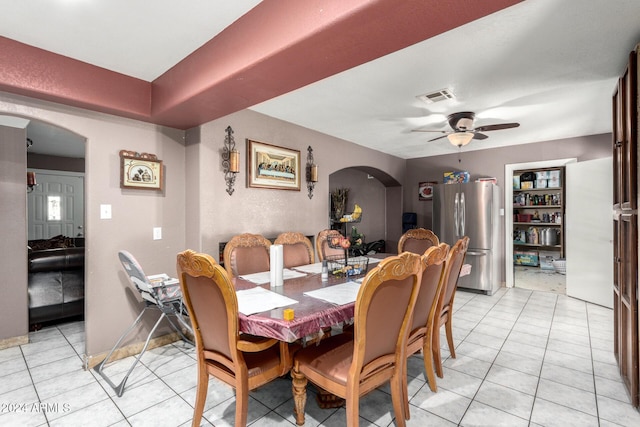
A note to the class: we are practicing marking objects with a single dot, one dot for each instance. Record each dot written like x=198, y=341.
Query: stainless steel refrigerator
x=473, y=210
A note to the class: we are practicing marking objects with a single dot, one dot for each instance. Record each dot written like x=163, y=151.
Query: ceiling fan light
x=460, y=139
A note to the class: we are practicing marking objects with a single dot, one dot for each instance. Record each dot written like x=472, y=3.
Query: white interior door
x=589, y=233
x=56, y=205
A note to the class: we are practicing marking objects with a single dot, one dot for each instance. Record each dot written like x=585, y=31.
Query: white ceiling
x=549, y=65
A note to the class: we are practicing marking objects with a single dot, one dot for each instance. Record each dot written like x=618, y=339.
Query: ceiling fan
x=463, y=131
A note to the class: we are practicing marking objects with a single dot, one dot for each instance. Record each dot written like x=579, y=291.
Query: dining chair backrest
x=297, y=249
x=424, y=315
x=246, y=254
x=444, y=311
x=417, y=240
x=455, y=260
x=433, y=268
x=322, y=245
x=223, y=352
x=383, y=309
x=211, y=299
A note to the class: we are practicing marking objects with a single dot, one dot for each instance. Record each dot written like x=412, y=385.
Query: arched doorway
x=380, y=197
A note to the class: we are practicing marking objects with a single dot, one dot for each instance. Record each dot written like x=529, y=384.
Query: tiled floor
x=523, y=358
x=536, y=279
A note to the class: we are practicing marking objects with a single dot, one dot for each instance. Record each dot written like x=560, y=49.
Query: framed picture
x=142, y=171
x=425, y=190
x=270, y=166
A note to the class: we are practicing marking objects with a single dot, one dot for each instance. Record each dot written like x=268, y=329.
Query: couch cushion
x=56, y=259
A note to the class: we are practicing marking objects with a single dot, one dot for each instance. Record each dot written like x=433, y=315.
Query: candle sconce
x=312, y=172
x=31, y=181
x=230, y=160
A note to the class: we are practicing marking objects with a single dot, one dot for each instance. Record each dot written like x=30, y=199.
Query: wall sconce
x=312, y=172
x=230, y=160
x=31, y=181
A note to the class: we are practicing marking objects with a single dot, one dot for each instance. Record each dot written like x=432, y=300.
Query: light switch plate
x=105, y=211
x=157, y=233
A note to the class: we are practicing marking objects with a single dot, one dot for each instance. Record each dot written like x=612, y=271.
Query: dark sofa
x=56, y=280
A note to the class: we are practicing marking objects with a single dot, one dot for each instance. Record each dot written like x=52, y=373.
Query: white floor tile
x=446, y=404
x=505, y=399
x=550, y=414
x=571, y=397
x=516, y=380
x=482, y=415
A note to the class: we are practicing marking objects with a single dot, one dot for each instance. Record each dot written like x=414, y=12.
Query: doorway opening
x=380, y=197
x=529, y=274
x=55, y=225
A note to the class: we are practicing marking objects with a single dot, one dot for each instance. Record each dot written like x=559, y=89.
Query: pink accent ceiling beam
x=282, y=45
x=34, y=72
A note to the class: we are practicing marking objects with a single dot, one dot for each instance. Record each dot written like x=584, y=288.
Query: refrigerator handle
x=463, y=214
x=456, y=203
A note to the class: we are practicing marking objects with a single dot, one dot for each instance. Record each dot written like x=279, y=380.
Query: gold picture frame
x=270, y=166
x=140, y=170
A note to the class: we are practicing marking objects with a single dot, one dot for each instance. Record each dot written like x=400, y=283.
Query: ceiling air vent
x=437, y=96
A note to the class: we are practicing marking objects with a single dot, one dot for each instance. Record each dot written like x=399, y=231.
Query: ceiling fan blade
x=479, y=136
x=497, y=127
x=428, y=130
x=435, y=139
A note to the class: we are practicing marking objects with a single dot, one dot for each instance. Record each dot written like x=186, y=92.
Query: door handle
x=463, y=214
x=456, y=204
x=476, y=253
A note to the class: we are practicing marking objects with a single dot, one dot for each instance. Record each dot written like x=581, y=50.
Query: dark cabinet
x=625, y=227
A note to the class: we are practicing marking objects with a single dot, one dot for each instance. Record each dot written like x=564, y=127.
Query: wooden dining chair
x=417, y=240
x=297, y=249
x=246, y=254
x=244, y=362
x=349, y=366
x=424, y=315
x=444, y=311
x=322, y=246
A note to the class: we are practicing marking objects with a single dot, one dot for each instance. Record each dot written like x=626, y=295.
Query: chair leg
x=405, y=393
x=435, y=351
x=428, y=362
x=352, y=405
x=299, y=388
x=242, y=401
x=449, y=329
x=119, y=389
x=397, y=395
x=201, y=395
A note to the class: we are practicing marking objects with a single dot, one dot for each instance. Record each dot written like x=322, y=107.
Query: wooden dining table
x=311, y=315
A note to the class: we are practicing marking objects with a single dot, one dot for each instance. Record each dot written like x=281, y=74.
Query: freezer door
x=481, y=275
x=445, y=216
x=476, y=221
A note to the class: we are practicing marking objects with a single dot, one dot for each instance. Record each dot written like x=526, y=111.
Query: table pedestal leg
x=327, y=400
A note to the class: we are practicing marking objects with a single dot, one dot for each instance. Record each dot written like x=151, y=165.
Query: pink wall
x=266, y=211
x=13, y=245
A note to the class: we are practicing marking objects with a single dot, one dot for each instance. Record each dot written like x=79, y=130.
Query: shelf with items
x=536, y=245
x=538, y=216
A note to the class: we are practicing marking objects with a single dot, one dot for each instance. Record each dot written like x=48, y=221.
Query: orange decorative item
x=345, y=243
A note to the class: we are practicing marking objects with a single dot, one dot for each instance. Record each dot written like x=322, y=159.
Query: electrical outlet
x=157, y=233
